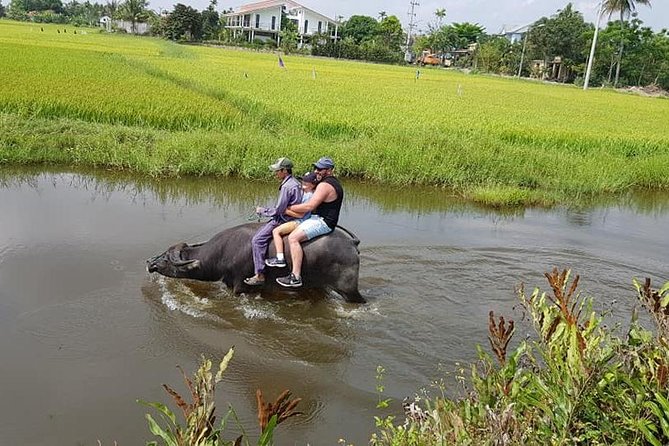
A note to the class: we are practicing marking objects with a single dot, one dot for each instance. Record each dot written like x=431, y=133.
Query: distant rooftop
x=514, y=29
x=267, y=4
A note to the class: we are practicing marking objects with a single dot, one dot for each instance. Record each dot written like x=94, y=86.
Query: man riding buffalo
x=290, y=193
x=325, y=206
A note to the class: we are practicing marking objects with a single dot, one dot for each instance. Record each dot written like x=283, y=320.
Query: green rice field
x=160, y=108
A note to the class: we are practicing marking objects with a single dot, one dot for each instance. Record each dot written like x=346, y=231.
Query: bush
x=578, y=383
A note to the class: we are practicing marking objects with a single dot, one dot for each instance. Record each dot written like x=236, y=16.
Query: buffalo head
x=172, y=264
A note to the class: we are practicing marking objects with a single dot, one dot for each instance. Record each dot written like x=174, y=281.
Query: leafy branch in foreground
x=577, y=383
x=199, y=416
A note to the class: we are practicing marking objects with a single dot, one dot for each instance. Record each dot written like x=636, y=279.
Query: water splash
x=181, y=298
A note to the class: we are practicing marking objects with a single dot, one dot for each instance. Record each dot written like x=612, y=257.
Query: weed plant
x=160, y=108
x=199, y=426
x=577, y=383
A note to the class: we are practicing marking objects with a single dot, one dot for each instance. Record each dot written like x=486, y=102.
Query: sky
x=491, y=14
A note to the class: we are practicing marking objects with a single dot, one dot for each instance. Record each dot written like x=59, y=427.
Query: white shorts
x=314, y=227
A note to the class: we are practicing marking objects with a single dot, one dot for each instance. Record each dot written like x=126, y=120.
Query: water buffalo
x=330, y=262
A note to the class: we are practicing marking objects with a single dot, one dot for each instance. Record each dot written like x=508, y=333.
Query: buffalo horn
x=189, y=264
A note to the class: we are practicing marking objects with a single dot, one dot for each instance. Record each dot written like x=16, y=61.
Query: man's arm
x=285, y=196
x=294, y=214
x=321, y=193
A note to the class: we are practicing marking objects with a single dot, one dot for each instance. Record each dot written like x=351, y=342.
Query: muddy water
x=85, y=331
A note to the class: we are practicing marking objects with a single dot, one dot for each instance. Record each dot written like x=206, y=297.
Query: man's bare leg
x=295, y=240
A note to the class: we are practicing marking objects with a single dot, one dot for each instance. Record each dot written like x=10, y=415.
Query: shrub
x=577, y=383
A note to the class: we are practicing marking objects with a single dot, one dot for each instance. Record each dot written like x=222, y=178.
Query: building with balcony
x=262, y=20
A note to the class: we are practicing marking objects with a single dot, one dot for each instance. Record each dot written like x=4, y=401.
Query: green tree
x=37, y=5
x=445, y=39
x=288, y=34
x=440, y=14
x=134, y=11
x=468, y=32
x=184, y=22
x=86, y=13
x=390, y=32
x=498, y=55
x=624, y=8
x=646, y=55
x=565, y=35
x=360, y=28
x=659, y=61
x=112, y=8
x=2, y=10
x=210, y=22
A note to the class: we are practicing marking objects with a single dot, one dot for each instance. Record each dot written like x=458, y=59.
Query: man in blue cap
x=290, y=193
x=324, y=206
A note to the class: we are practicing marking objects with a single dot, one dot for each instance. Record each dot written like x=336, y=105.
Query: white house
x=108, y=24
x=262, y=20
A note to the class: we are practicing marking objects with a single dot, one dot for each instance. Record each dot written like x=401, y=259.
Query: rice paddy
x=160, y=108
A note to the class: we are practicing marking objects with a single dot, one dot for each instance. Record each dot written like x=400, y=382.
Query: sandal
x=254, y=281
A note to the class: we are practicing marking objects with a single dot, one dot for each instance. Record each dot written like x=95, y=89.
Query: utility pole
x=522, y=53
x=586, y=81
x=412, y=25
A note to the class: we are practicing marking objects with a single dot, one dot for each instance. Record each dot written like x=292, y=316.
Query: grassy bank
x=156, y=107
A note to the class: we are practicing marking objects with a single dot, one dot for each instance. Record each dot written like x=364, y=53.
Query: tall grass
x=202, y=111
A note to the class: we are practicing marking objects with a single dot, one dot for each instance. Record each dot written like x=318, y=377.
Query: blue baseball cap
x=309, y=177
x=324, y=163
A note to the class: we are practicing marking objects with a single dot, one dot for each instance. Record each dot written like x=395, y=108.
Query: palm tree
x=624, y=8
x=382, y=15
x=134, y=11
x=111, y=8
x=440, y=14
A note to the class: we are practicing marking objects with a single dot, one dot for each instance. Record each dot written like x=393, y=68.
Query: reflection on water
x=84, y=330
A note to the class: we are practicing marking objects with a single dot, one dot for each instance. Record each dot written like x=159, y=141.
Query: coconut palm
x=440, y=14
x=134, y=11
x=624, y=8
x=382, y=15
x=111, y=8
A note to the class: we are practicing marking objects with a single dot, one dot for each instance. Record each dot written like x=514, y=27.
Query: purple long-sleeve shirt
x=290, y=193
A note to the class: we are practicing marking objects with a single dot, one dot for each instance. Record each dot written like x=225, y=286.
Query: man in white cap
x=324, y=206
x=290, y=192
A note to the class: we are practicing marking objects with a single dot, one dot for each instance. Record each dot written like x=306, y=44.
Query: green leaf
x=159, y=432
x=664, y=402
x=664, y=289
x=660, y=414
x=161, y=408
x=267, y=435
x=645, y=427
x=665, y=300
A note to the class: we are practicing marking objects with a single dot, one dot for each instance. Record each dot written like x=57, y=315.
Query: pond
x=85, y=331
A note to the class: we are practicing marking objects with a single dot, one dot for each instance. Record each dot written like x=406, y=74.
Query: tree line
x=554, y=48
